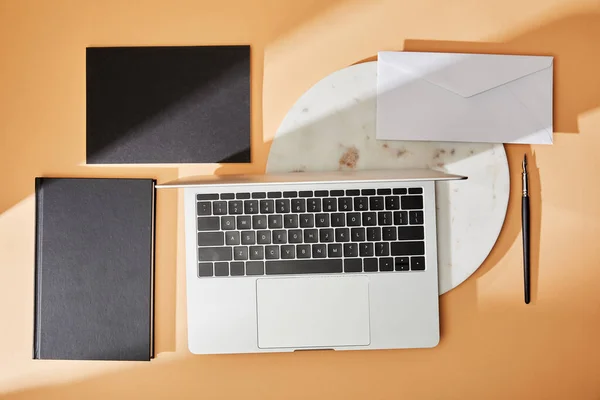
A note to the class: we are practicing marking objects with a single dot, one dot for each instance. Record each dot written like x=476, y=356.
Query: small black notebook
x=94, y=269
x=181, y=104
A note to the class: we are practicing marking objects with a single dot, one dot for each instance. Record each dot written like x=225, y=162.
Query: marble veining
x=332, y=127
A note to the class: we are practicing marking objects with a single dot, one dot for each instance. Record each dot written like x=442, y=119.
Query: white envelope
x=464, y=97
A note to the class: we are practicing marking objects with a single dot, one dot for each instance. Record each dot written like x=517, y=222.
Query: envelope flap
x=466, y=74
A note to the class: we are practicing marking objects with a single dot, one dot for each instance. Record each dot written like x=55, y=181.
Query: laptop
x=302, y=261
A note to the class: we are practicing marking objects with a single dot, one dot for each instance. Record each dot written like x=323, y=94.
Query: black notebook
x=186, y=104
x=94, y=269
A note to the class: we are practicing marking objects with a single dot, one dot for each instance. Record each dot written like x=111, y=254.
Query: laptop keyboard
x=310, y=232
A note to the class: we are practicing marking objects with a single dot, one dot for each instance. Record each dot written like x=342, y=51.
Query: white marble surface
x=332, y=126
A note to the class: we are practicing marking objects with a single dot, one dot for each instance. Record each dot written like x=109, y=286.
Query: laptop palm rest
x=313, y=312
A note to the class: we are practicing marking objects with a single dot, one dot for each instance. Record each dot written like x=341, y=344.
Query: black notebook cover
x=188, y=104
x=94, y=269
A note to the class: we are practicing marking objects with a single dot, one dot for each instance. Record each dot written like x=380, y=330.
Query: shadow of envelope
x=464, y=97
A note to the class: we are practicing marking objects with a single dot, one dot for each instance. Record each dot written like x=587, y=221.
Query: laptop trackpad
x=313, y=312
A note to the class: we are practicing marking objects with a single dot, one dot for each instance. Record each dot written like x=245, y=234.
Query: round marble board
x=332, y=127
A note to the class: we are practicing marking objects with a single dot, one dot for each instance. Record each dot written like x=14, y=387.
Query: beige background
x=493, y=346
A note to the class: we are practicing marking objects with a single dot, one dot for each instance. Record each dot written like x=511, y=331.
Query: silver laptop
x=344, y=261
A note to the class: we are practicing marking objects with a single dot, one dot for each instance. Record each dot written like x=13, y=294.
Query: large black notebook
x=188, y=104
x=94, y=269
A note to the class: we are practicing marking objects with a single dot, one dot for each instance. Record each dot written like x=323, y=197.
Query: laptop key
x=350, y=249
x=389, y=233
x=377, y=203
x=209, y=223
x=263, y=237
x=236, y=207
x=417, y=263
x=227, y=196
x=417, y=190
x=358, y=234
x=214, y=254
x=353, y=265
x=369, y=219
x=244, y=222
x=210, y=239
x=353, y=219
x=338, y=219
x=295, y=236
x=290, y=221
x=282, y=206
x=326, y=235
x=251, y=206
x=257, y=252
x=272, y=252
x=410, y=232
x=280, y=237
x=330, y=204
x=290, y=194
x=313, y=205
x=242, y=196
x=412, y=202
x=298, y=205
x=334, y=250
x=386, y=264
x=205, y=269
x=366, y=249
x=288, y=251
x=259, y=195
x=275, y=221
x=307, y=220
x=392, y=203
x=220, y=208
x=221, y=269
x=303, y=251
x=248, y=237
x=255, y=268
x=311, y=236
x=374, y=234
x=382, y=249
x=401, y=264
x=207, y=196
x=319, y=251
x=204, y=208
x=236, y=268
x=283, y=267
x=400, y=191
x=416, y=217
x=240, y=253
x=227, y=223
x=267, y=206
x=322, y=220
x=407, y=248
x=384, y=218
x=400, y=218
x=259, y=222
x=342, y=235
x=371, y=265
x=361, y=203
x=345, y=204
x=232, y=238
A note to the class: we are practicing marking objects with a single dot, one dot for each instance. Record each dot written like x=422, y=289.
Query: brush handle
x=525, y=226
